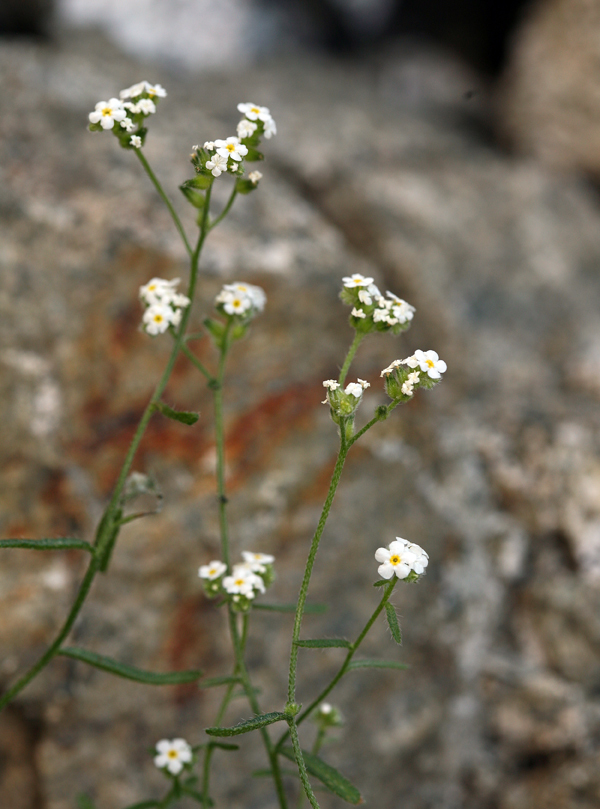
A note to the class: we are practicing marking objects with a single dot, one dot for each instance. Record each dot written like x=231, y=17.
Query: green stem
x=165, y=199
x=318, y=743
x=55, y=646
x=225, y=210
x=373, y=421
x=358, y=338
x=195, y=361
x=220, y=442
x=293, y=731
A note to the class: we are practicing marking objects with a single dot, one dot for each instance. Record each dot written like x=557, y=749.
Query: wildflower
x=332, y=384
x=327, y=716
x=254, y=177
x=172, y=755
x=128, y=124
x=356, y=388
x=155, y=90
x=325, y=708
x=159, y=290
x=239, y=298
x=213, y=570
x=216, y=165
x=254, y=112
x=133, y=91
x=157, y=318
x=391, y=367
x=136, y=141
x=270, y=128
x=231, y=148
x=208, y=144
x=147, y=106
x=356, y=280
x=421, y=558
x=235, y=304
x=398, y=559
x=246, y=129
x=429, y=362
x=364, y=297
x=408, y=386
x=107, y=112
x=258, y=558
x=357, y=313
x=243, y=581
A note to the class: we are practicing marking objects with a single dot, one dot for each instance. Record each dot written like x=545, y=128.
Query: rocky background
x=474, y=199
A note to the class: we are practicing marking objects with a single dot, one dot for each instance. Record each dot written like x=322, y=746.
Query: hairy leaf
x=393, y=624
x=376, y=664
x=177, y=415
x=213, y=682
x=309, y=609
x=324, y=643
x=129, y=672
x=58, y=544
x=328, y=775
x=248, y=725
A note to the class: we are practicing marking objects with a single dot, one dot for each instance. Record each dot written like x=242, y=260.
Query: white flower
x=364, y=384
x=407, y=388
x=133, y=108
x=258, y=558
x=159, y=290
x=255, y=176
x=216, y=165
x=213, y=570
x=136, y=141
x=147, y=106
x=364, y=297
x=254, y=112
x=234, y=303
x=429, y=363
x=246, y=129
x=173, y=755
x=231, y=148
x=134, y=90
x=128, y=124
x=391, y=367
x=412, y=362
x=256, y=294
x=209, y=144
x=356, y=280
x=243, y=581
x=357, y=312
x=107, y=112
x=270, y=128
x=155, y=90
x=373, y=291
x=421, y=558
x=354, y=389
x=397, y=559
x=332, y=384
x=403, y=312
x=157, y=318
x=380, y=315
x=414, y=377
x=325, y=708
x=181, y=301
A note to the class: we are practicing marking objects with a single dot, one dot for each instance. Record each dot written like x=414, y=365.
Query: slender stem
x=165, y=199
x=195, y=361
x=220, y=442
x=318, y=743
x=335, y=479
x=53, y=649
x=358, y=338
x=225, y=210
x=344, y=667
x=301, y=765
x=373, y=421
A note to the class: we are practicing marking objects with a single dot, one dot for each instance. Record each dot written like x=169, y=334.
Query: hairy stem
x=301, y=765
x=358, y=338
x=225, y=210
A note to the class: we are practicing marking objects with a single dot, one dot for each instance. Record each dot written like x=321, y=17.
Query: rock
x=494, y=472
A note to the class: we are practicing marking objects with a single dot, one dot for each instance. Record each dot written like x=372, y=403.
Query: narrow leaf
x=58, y=544
x=212, y=682
x=199, y=181
x=245, y=186
x=328, y=775
x=248, y=725
x=193, y=197
x=314, y=609
x=177, y=415
x=129, y=672
x=393, y=624
x=324, y=643
x=253, y=155
x=376, y=664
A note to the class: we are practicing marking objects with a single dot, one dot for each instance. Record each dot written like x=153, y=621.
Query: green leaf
x=193, y=197
x=201, y=181
x=245, y=186
x=328, y=775
x=83, y=802
x=393, y=624
x=314, y=609
x=217, y=329
x=324, y=643
x=129, y=672
x=212, y=682
x=381, y=583
x=177, y=415
x=58, y=544
x=376, y=664
x=249, y=724
x=253, y=155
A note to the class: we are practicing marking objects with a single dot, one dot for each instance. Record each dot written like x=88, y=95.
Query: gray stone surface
x=495, y=473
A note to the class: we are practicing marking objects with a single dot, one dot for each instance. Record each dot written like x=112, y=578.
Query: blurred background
x=451, y=150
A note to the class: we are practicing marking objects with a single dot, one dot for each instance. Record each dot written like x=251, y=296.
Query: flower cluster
x=247, y=579
x=372, y=311
x=343, y=402
x=125, y=116
x=173, y=755
x=404, y=559
x=241, y=300
x=402, y=376
x=163, y=304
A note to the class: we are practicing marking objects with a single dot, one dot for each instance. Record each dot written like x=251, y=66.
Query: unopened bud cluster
x=164, y=305
x=402, y=559
x=372, y=311
x=247, y=579
x=126, y=115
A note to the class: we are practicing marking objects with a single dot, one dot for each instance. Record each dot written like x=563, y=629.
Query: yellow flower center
x=107, y=111
x=430, y=363
x=173, y=754
x=230, y=147
x=158, y=318
x=255, y=110
x=212, y=571
x=236, y=303
x=239, y=582
x=395, y=560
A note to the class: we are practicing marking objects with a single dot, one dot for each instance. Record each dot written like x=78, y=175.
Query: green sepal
x=324, y=643
x=216, y=329
x=58, y=544
x=195, y=198
x=185, y=417
x=309, y=609
x=376, y=664
x=245, y=186
x=238, y=331
x=129, y=672
x=327, y=775
x=393, y=624
x=249, y=724
x=253, y=155
x=202, y=180
x=213, y=682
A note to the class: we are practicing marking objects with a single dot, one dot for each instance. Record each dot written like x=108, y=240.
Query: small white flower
x=234, y=303
x=231, y=148
x=330, y=384
x=364, y=297
x=243, y=581
x=407, y=388
x=391, y=367
x=429, y=362
x=159, y=290
x=133, y=108
x=246, y=129
x=217, y=165
x=414, y=377
x=155, y=90
x=157, y=318
x=107, y=112
x=254, y=177
x=364, y=384
x=412, y=362
x=373, y=291
x=172, y=755
x=325, y=708
x=128, y=124
x=354, y=389
x=136, y=141
x=401, y=310
x=356, y=280
x=254, y=112
x=147, y=106
x=260, y=558
x=421, y=558
x=398, y=559
x=357, y=312
x=209, y=144
x=380, y=315
x=270, y=128
x=134, y=91
x=181, y=301
x=256, y=294
x=213, y=570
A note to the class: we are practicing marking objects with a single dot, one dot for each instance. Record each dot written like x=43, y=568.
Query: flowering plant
x=238, y=586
